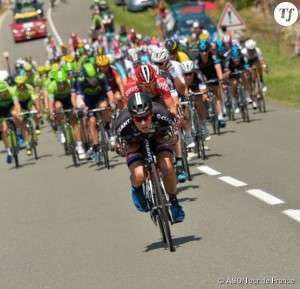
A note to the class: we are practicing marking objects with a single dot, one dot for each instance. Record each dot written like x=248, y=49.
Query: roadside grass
x=142, y=22
x=283, y=79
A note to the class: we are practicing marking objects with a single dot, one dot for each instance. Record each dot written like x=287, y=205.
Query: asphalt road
x=63, y=227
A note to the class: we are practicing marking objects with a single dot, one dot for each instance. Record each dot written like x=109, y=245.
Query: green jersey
x=25, y=94
x=59, y=92
x=7, y=98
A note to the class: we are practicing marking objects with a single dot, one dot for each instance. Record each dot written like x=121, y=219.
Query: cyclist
x=142, y=116
x=175, y=53
x=210, y=66
x=96, y=93
x=147, y=80
x=9, y=106
x=198, y=33
x=113, y=77
x=196, y=84
x=236, y=62
x=255, y=58
x=60, y=98
x=172, y=71
x=28, y=101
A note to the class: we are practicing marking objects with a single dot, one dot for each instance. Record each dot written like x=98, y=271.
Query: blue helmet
x=235, y=52
x=203, y=45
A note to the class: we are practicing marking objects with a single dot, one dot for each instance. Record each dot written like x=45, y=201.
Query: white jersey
x=175, y=70
x=252, y=55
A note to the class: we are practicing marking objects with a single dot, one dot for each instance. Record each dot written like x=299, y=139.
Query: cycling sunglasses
x=189, y=74
x=142, y=118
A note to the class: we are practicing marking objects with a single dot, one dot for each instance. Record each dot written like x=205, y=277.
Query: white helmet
x=160, y=55
x=187, y=66
x=250, y=44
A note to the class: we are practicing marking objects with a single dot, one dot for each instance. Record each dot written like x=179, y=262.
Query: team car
x=29, y=25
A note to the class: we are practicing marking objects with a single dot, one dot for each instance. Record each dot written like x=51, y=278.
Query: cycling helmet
x=20, y=79
x=60, y=76
x=41, y=69
x=187, y=66
x=203, y=45
x=47, y=68
x=68, y=58
x=235, y=52
x=145, y=73
x=250, y=44
x=139, y=104
x=102, y=60
x=171, y=45
x=3, y=86
x=27, y=66
x=160, y=55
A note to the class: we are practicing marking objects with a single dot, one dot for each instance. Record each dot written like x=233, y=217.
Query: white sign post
x=231, y=19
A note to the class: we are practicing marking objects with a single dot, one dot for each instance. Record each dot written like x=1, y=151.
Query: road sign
x=231, y=19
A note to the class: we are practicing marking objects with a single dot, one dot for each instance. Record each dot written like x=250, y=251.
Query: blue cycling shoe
x=139, y=199
x=181, y=175
x=177, y=212
x=9, y=158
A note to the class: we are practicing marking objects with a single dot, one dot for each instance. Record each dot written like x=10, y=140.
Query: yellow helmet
x=41, y=69
x=27, y=66
x=20, y=79
x=55, y=67
x=47, y=67
x=102, y=60
x=204, y=36
x=68, y=58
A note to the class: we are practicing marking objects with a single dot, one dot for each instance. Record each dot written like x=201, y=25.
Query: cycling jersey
x=7, y=102
x=182, y=56
x=208, y=68
x=197, y=83
x=175, y=70
x=57, y=92
x=160, y=139
x=253, y=56
x=93, y=94
x=161, y=89
x=234, y=66
x=111, y=76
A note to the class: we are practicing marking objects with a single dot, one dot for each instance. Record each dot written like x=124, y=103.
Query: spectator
x=296, y=44
x=160, y=15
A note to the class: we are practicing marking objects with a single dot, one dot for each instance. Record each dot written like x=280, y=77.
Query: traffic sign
x=231, y=19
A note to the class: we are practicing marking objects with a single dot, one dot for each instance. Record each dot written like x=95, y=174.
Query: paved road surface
x=63, y=227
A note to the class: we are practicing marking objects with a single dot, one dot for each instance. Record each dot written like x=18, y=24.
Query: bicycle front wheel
x=162, y=212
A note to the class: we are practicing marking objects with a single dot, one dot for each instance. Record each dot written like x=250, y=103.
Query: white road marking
x=294, y=214
x=265, y=197
x=53, y=28
x=209, y=171
x=232, y=181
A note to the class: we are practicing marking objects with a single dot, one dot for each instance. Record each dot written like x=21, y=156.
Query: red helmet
x=145, y=73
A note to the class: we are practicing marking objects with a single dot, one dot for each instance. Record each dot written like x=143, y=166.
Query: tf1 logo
x=286, y=13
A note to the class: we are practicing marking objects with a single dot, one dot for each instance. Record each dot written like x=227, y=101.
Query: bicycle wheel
x=104, y=146
x=196, y=137
x=73, y=153
x=185, y=162
x=162, y=213
x=14, y=147
x=70, y=143
x=33, y=140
